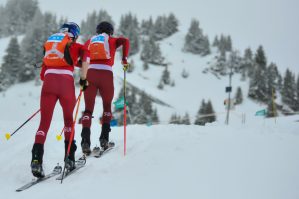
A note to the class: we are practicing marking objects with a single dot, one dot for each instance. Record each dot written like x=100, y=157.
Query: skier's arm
x=125, y=43
x=43, y=70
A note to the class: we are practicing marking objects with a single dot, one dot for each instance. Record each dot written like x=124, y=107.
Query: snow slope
x=169, y=161
x=258, y=159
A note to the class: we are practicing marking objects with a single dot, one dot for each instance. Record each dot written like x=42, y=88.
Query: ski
x=97, y=152
x=56, y=171
x=78, y=164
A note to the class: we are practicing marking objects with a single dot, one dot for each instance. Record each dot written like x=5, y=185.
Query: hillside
x=253, y=160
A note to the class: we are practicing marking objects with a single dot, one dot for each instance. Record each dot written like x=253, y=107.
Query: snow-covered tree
x=185, y=74
x=145, y=66
x=257, y=87
x=129, y=27
x=88, y=26
x=211, y=112
x=147, y=27
x=239, y=96
x=200, y=120
x=32, y=46
x=171, y=24
x=297, y=95
x=216, y=41
x=224, y=44
x=16, y=15
x=166, y=76
x=272, y=80
x=247, y=65
x=185, y=119
x=195, y=41
x=151, y=52
x=288, y=90
x=12, y=64
x=175, y=119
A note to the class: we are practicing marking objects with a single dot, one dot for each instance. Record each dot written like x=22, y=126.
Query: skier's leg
x=89, y=99
x=47, y=105
x=67, y=100
x=107, y=92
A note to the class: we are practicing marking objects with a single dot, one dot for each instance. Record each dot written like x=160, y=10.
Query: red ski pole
x=73, y=132
x=59, y=137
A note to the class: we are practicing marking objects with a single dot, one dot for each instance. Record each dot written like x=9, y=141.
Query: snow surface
x=258, y=159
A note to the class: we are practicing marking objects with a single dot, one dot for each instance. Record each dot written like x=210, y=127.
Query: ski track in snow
x=168, y=161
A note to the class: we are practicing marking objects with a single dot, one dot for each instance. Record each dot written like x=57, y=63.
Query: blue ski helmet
x=72, y=28
x=105, y=27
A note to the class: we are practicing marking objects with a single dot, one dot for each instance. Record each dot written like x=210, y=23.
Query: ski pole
x=72, y=133
x=125, y=115
x=8, y=135
x=59, y=137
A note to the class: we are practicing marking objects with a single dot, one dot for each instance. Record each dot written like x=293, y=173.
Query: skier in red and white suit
x=58, y=85
x=100, y=78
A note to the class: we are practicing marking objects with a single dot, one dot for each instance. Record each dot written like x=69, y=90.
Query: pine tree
x=234, y=62
x=88, y=27
x=216, y=41
x=166, y=76
x=247, y=66
x=288, y=90
x=195, y=41
x=239, y=96
x=228, y=44
x=185, y=74
x=171, y=24
x=155, y=117
x=129, y=27
x=220, y=67
x=32, y=46
x=160, y=31
x=257, y=87
x=173, y=119
x=209, y=110
x=145, y=66
x=16, y=16
x=151, y=52
x=297, y=95
x=160, y=85
x=272, y=77
x=186, y=119
x=200, y=119
x=12, y=64
x=147, y=27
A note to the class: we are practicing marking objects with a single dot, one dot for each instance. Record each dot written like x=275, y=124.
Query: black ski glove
x=83, y=83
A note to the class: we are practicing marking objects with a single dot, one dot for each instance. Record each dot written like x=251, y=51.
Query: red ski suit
x=58, y=85
x=100, y=78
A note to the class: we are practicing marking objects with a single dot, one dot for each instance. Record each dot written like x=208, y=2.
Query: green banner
x=261, y=112
x=119, y=104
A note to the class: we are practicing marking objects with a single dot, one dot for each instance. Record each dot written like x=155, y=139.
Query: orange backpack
x=55, y=48
x=99, y=47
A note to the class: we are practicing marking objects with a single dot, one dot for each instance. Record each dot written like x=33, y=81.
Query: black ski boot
x=37, y=160
x=104, y=138
x=85, y=142
x=70, y=159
